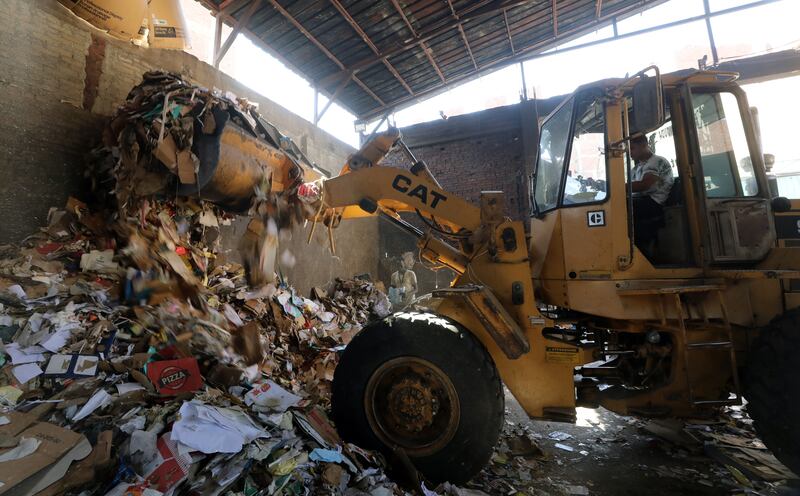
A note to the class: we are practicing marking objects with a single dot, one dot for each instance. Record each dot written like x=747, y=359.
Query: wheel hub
x=412, y=404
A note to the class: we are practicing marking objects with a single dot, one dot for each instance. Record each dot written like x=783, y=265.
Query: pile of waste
x=138, y=360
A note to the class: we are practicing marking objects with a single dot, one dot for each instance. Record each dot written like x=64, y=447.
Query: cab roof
x=669, y=79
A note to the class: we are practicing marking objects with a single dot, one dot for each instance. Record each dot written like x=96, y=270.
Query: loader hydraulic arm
x=364, y=188
x=492, y=293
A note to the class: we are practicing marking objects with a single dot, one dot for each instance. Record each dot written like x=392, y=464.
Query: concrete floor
x=612, y=456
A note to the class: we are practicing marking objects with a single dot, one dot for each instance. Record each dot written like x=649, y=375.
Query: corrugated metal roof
x=379, y=55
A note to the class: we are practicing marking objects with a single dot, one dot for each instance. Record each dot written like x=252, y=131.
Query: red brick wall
x=492, y=162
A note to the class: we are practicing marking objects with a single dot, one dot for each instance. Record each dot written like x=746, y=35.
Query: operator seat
x=672, y=238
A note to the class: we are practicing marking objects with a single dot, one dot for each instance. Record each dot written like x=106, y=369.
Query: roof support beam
x=316, y=105
x=555, y=19
x=464, y=35
x=237, y=28
x=508, y=33
x=429, y=55
x=474, y=10
x=294, y=22
x=423, y=45
x=334, y=96
x=403, y=16
x=218, y=35
x=598, y=9
x=466, y=44
x=353, y=24
x=230, y=20
x=225, y=4
x=524, y=54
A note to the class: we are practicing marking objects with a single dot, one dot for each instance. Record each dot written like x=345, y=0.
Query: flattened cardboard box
x=172, y=377
x=58, y=449
x=167, y=24
x=121, y=19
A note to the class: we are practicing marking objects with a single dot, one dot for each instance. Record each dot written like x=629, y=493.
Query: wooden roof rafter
x=352, y=22
x=285, y=13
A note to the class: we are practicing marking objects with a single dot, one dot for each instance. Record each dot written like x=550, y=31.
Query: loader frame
x=570, y=295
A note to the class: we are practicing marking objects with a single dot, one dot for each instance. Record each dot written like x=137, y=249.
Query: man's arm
x=413, y=279
x=648, y=180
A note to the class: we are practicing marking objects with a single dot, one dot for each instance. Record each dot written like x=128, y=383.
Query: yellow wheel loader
x=569, y=310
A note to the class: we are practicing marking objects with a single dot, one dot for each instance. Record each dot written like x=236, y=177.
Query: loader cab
x=717, y=212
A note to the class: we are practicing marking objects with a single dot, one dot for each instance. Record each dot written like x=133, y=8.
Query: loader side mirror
x=648, y=105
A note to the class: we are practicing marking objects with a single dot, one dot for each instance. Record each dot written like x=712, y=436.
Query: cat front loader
x=564, y=308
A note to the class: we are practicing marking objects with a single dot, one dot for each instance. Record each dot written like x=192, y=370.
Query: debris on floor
x=716, y=455
x=146, y=378
x=137, y=359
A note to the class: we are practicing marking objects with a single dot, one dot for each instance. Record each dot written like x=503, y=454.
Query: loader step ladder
x=673, y=295
x=726, y=344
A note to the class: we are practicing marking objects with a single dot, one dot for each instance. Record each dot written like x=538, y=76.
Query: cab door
x=729, y=173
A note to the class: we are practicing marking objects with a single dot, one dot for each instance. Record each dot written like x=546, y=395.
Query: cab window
x=586, y=175
x=724, y=153
x=553, y=141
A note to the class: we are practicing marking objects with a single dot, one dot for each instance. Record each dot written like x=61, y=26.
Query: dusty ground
x=612, y=455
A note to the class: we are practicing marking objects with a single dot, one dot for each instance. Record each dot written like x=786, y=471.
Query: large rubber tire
x=459, y=355
x=772, y=388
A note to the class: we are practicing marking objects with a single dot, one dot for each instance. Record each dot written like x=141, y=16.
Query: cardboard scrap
x=167, y=26
x=85, y=470
x=120, y=19
x=57, y=449
x=246, y=341
x=753, y=463
x=167, y=152
x=186, y=169
x=99, y=261
x=72, y=365
x=170, y=468
x=672, y=430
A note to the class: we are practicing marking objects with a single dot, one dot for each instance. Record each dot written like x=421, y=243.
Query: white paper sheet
x=211, y=429
x=127, y=387
x=136, y=423
x=99, y=261
x=26, y=372
x=326, y=316
x=20, y=356
x=57, y=340
x=35, y=322
x=98, y=400
x=270, y=395
x=143, y=442
x=232, y=316
x=26, y=446
x=16, y=290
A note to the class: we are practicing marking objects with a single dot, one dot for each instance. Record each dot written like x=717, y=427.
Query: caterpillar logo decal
x=404, y=184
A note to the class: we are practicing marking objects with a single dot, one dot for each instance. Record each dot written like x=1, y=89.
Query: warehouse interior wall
x=60, y=80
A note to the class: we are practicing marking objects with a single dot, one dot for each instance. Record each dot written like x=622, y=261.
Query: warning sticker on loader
x=561, y=354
